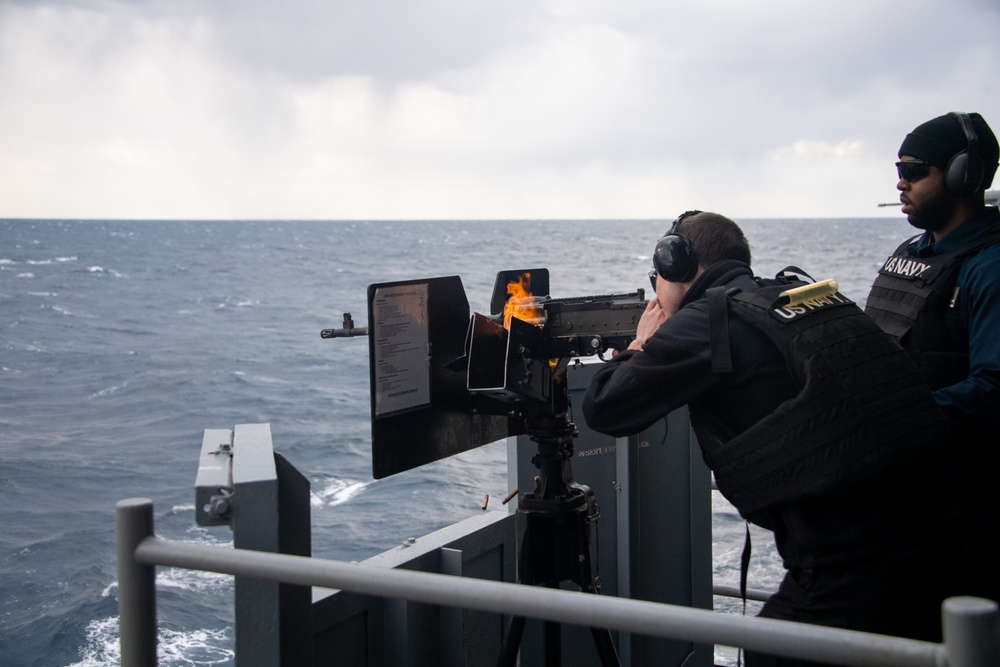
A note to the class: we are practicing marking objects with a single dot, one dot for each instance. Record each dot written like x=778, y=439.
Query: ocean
x=121, y=341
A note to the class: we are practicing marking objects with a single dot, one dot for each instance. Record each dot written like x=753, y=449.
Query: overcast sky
x=327, y=109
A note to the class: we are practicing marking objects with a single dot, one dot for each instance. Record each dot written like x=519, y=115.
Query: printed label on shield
x=402, y=370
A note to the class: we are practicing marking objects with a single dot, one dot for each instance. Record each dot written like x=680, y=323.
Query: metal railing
x=971, y=625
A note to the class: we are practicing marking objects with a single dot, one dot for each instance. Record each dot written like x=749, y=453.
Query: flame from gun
x=521, y=303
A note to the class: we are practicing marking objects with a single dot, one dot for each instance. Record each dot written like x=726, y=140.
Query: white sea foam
x=182, y=579
x=194, y=581
x=188, y=648
x=108, y=391
x=100, y=648
x=196, y=647
x=337, y=492
x=260, y=379
x=104, y=271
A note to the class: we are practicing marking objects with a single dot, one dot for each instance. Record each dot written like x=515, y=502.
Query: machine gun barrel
x=349, y=330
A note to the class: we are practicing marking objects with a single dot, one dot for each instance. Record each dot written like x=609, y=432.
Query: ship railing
x=971, y=626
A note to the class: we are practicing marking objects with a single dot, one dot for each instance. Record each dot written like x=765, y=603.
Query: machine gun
x=443, y=383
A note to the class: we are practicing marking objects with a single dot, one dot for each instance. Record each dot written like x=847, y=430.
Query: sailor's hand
x=650, y=321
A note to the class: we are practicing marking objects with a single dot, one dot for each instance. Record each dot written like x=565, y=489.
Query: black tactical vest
x=861, y=405
x=910, y=299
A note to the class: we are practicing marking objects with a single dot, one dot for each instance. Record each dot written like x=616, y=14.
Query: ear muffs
x=964, y=173
x=674, y=257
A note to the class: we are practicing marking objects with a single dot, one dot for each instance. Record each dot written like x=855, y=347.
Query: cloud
x=441, y=108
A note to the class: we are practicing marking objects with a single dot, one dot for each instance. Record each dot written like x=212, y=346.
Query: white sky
x=414, y=109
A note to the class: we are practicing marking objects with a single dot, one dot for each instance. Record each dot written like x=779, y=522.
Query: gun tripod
x=553, y=535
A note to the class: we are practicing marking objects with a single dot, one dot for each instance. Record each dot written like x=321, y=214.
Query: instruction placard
x=402, y=352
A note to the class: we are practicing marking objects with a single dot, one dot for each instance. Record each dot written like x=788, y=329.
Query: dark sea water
x=121, y=341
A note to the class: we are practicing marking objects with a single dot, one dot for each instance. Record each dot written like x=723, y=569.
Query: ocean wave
x=103, y=271
x=236, y=303
x=337, y=492
x=42, y=262
x=107, y=392
x=188, y=648
x=195, y=581
x=196, y=647
x=181, y=579
x=260, y=379
x=101, y=645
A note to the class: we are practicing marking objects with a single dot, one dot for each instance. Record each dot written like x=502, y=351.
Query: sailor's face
x=670, y=295
x=926, y=203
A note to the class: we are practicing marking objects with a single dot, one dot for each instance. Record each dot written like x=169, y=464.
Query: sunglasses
x=652, y=278
x=911, y=172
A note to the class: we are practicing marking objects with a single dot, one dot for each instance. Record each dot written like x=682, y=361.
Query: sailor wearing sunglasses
x=938, y=294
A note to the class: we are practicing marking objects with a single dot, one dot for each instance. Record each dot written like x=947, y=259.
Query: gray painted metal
x=971, y=632
x=214, y=483
x=972, y=622
x=242, y=482
x=256, y=460
x=734, y=592
x=451, y=653
x=136, y=584
x=358, y=629
x=254, y=520
x=667, y=536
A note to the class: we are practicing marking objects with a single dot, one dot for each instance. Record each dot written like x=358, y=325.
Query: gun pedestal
x=553, y=534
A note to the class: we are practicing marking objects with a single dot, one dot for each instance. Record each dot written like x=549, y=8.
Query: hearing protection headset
x=674, y=257
x=964, y=172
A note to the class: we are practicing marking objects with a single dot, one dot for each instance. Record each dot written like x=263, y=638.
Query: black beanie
x=940, y=139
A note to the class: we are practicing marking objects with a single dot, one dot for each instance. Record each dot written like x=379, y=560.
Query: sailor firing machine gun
x=442, y=383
